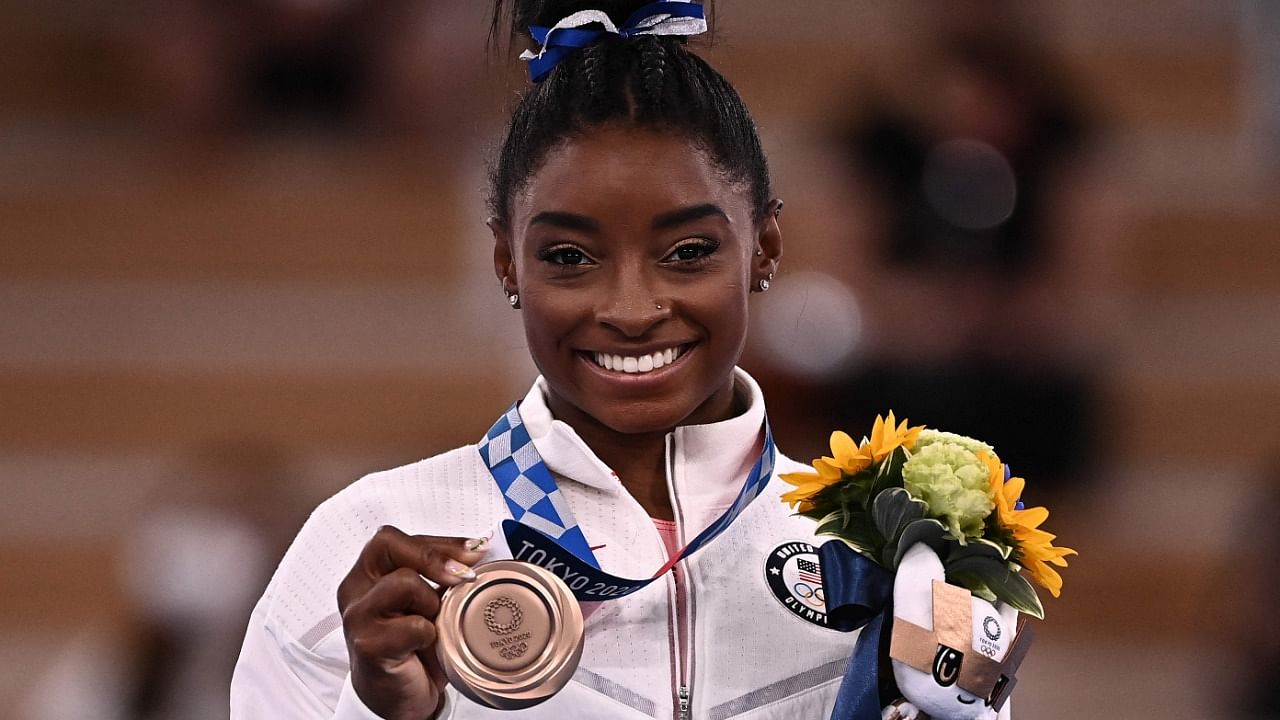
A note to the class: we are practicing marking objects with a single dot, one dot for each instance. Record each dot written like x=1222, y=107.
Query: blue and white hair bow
x=670, y=17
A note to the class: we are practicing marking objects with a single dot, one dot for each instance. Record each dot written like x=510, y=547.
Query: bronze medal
x=511, y=638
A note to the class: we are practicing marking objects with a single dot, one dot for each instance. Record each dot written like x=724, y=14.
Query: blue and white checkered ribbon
x=543, y=530
x=671, y=17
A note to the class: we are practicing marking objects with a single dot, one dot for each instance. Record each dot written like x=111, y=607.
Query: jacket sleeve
x=278, y=683
x=278, y=679
x=293, y=663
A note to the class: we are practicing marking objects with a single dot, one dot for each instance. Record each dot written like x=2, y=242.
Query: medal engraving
x=512, y=638
x=512, y=616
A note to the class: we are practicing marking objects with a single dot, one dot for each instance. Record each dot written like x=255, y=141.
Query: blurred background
x=243, y=262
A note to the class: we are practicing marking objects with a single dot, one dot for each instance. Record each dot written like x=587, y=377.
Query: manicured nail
x=458, y=570
x=477, y=544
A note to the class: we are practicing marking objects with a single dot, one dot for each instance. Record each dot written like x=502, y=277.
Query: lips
x=637, y=364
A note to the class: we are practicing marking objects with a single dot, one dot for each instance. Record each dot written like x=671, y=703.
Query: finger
x=401, y=592
x=390, y=641
x=371, y=621
x=434, y=669
x=443, y=560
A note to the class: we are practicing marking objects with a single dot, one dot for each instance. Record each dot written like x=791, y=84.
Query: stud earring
x=514, y=299
x=759, y=253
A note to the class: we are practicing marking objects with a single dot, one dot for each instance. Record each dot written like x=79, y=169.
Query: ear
x=913, y=586
x=768, y=244
x=504, y=264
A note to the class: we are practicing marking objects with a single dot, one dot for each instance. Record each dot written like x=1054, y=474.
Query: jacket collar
x=717, y=454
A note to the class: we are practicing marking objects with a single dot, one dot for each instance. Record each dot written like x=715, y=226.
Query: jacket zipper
x=684, y=681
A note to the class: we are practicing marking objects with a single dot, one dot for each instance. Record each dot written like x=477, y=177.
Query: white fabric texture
x=749, y=657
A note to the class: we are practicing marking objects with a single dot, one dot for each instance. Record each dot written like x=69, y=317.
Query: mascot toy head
x=954, y=655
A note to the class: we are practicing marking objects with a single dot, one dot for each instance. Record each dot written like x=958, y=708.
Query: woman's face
x=633, y=258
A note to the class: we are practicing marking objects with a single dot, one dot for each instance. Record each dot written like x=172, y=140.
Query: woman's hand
x=388, y=613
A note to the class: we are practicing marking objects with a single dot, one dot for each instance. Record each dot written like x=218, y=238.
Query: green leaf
x=978, y=547
x=999, y=548
x=812, y=513
x=1000, y=579
x=893, y=510
x=856, y=529
x=973, y=584
x=889, y=473
x=926, y=530
x=853, y=490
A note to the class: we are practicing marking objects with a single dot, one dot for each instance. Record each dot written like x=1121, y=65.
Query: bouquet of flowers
x=907, y=485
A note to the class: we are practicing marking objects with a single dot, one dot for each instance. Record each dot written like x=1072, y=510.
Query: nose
x=631, y=306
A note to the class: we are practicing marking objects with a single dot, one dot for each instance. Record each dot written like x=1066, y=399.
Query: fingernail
x=458, y=570
x=477, y=544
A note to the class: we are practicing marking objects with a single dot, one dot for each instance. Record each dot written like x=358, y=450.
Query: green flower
x=946, y=473
x=931, y=437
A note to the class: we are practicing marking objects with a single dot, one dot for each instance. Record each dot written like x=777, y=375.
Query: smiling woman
x=629, y=251
x=632, y=219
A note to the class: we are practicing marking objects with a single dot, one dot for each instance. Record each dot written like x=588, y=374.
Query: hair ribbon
x=670, y=17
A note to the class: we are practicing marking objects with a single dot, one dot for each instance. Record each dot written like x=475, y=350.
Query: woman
x=632, y=217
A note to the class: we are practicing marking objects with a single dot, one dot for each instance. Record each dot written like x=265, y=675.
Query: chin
x=638, y=418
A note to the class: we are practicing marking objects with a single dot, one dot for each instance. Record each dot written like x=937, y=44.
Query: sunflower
x=1035, y=549
x=846, y=459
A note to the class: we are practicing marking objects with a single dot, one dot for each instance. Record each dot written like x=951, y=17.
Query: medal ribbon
x=543, y=530
x=859, y=595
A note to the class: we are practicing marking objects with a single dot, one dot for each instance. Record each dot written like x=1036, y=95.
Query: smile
x=640, y=364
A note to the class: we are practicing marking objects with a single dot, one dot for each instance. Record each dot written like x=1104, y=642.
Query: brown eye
x=692, y=251
x=564, y=256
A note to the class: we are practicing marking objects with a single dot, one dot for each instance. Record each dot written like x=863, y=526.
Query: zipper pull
x=684, y=702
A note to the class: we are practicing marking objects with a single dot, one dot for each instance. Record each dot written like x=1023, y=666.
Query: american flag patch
x=809, y=571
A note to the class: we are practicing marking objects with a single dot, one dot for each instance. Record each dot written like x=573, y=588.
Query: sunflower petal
x=798, y=478
x=843, y=446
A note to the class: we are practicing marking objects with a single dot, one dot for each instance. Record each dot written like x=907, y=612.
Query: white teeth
x=640, y=364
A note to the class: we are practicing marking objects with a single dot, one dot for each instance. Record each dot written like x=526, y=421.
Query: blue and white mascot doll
x=954, y=655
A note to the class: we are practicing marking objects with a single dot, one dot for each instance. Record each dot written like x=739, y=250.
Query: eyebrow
x=665, y=221
x=668, y=220
x=566, y=220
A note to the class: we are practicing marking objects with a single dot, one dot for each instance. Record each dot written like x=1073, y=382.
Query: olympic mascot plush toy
x=954, y=655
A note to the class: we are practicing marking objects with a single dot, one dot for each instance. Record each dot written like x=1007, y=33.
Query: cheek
x=550, y=318
x=723, y=310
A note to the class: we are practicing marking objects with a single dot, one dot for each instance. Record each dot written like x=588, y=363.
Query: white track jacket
x=755, y=649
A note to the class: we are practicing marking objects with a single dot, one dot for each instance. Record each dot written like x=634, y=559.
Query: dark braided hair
x=650, y=81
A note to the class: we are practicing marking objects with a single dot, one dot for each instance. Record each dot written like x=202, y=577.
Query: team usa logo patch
x=794, y=574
